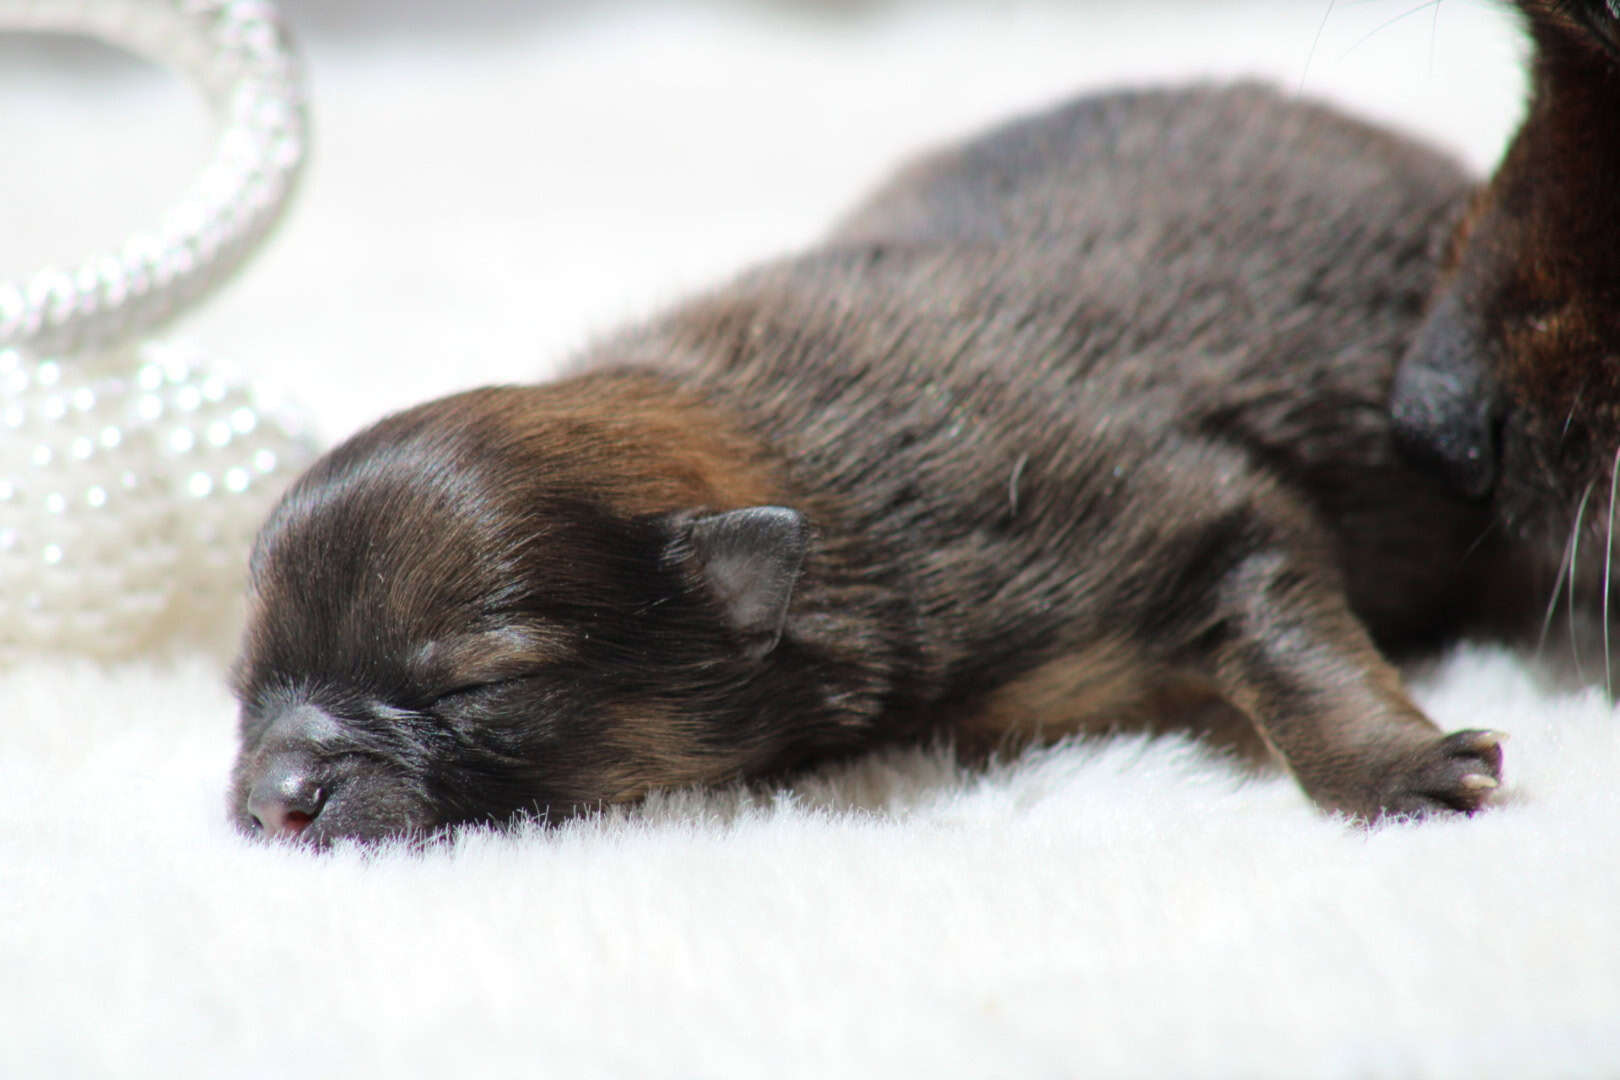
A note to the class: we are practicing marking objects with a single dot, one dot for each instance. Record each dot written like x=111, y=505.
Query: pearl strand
x=131, y=477
x=238, y=53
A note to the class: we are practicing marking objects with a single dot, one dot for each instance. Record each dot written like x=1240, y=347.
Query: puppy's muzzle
x=287, y=796
x=289, y=782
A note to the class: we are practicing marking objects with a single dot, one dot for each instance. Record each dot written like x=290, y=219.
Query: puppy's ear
x=748, y=561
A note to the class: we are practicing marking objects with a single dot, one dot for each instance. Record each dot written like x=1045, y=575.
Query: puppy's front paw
x=1457, y=772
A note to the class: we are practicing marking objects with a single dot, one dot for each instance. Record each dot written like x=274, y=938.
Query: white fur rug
x=494, y=181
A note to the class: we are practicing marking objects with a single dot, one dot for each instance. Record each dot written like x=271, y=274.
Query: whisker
x=1387, y=23
x=1569, y=419
x=1434, y=36
x=1574, y=554
x=1608, y=567
x=1315, y=41
x=1552, y=600
x=1484, y=534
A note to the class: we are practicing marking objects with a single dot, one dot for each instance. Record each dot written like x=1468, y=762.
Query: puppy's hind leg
x=1284, y=647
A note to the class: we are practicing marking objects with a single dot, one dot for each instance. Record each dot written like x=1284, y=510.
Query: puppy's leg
x=1290, y=654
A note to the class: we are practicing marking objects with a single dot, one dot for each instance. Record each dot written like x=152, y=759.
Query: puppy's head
x=512, y=601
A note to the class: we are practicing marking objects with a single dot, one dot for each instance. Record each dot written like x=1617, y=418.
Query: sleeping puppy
x=1076, y=426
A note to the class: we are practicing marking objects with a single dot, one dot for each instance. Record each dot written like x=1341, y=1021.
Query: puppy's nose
x=287, y=797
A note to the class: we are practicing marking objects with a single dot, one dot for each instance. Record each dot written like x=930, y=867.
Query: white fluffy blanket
x=494, y=181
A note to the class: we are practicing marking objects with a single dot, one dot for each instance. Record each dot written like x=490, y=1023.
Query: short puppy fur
x=1078, y=425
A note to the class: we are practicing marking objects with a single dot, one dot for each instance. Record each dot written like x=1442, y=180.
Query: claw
x=1481, y=741
x=1478, y=782
x=1485, y=745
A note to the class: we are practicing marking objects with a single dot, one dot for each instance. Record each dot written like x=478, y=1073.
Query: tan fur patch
x=1090, y=690
x=1106, y=688
x=648, y=446
x=495, y=655
x=648, y=750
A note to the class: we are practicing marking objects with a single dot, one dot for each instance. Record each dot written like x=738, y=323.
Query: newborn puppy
x=1511, y=390
x=1078, y=425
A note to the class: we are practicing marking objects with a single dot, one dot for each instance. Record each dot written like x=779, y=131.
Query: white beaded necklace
x=131, y=478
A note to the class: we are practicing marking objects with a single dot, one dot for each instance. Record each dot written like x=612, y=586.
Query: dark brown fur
x=1076, y=425
x=1511, y=391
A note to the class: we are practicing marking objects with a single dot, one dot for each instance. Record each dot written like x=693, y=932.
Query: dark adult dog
x=1511, y=391
x=1080, y=424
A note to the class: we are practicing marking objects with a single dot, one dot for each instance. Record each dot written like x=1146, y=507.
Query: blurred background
x=493, y=181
